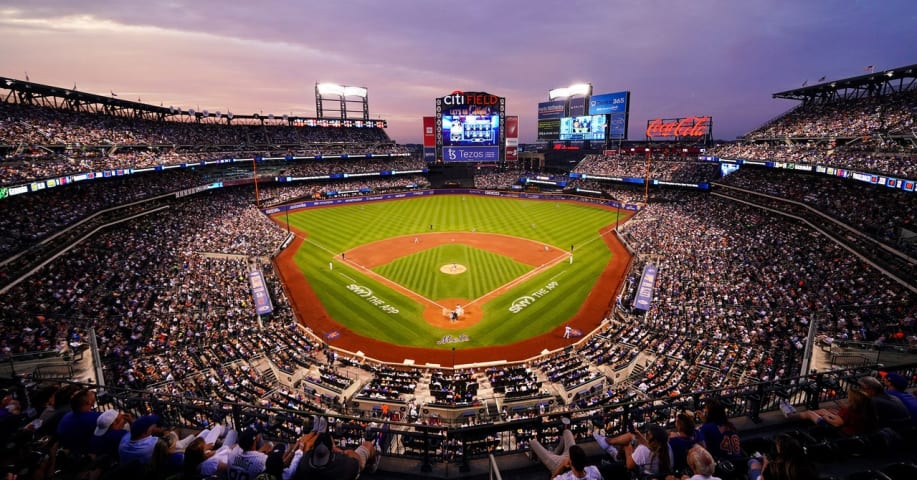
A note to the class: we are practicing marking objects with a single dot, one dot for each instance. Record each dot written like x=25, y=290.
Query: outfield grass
x=555, y=294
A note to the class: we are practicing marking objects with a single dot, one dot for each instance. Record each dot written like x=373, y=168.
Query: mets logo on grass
x=522, y=302
x=367, y=294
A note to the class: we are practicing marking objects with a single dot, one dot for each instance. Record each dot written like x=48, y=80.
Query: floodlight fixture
x=582, y=89
x=341, y=90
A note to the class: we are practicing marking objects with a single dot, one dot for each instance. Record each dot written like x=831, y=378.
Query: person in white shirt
x=574, y=467
x=251, y=460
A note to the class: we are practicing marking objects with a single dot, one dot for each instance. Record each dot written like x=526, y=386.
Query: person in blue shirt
x=139, y=445
x=76, y=428
x=897, y=387
x=719, y=434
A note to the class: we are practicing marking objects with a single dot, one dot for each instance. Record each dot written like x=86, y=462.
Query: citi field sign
x=459, y=98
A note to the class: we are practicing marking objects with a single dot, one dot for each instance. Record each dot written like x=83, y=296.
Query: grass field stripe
x=321, y=247
x=522, y=278
x=386, y=281
x=327, y=232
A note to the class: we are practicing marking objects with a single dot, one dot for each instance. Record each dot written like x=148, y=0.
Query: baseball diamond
x=387, y=293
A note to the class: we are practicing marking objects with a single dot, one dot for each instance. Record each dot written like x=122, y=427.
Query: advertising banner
x=429, y=131
x=577, y=107
x=645, y=291
x=608, y=103
x=259, y=293
x=549, y=129
x=675, y=128
x=512, y=154
x=551, y=110
x=512, y=138
x=429, y=154
x=471, y=154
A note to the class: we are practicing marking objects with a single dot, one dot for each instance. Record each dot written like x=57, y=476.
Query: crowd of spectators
x=742, y=285
x=663, y=166
x=882, y=213
x=170, y=303
x=886, y=158
x=497, y=180
x=624, y=193
x=42, y=142
x=856, y=117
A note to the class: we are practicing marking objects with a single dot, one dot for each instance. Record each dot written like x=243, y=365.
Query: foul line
x=523, y=278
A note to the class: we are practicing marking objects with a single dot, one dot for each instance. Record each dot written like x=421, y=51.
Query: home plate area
x=455, y=314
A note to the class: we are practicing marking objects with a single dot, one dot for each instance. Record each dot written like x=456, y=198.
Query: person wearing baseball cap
x=140, y=443
x=110, y=429
x=889, y=410
x=897, y=387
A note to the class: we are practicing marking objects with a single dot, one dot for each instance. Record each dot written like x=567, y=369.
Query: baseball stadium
x=250, y=286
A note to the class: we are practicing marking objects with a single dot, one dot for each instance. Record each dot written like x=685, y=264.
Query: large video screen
x=549, y=129
x=471, y=130
x=591, y=127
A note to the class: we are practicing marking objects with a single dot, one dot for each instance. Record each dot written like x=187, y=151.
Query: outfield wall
x=425, y=193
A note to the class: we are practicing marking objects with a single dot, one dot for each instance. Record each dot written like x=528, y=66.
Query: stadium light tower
x=341, y=95
x=577, y=89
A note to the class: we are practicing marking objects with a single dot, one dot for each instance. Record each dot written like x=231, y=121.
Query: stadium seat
x=900, y=471
x=868, y=475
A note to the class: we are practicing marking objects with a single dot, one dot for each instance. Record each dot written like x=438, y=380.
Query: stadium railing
x=425, y=441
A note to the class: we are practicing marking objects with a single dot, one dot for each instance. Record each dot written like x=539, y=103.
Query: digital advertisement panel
x=551, y=110
x=608, y=103
x=577, y=107
x=471, y=130
x=677, y=128
x=471, y=154
x=617, y=126
x=548, y=129
x=583, y=128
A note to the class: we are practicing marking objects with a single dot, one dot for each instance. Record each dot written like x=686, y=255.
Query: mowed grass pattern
x=421, y=273
x=334, y=230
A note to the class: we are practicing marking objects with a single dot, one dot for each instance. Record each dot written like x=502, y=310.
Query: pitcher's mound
x=453, y=268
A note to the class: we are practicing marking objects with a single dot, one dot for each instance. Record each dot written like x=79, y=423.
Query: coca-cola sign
x=678, y=127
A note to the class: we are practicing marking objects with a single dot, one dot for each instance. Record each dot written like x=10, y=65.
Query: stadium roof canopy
x=875, y=83
x=48, y=95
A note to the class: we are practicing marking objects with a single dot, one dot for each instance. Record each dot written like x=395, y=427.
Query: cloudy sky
x=677, y=57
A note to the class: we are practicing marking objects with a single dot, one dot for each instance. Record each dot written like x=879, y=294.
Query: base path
x=312, y=314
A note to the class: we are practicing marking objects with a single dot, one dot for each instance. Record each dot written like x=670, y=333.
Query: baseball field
x=472, y=273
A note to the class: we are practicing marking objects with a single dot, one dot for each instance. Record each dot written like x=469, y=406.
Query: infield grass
x=357, y=300
x=421, y=273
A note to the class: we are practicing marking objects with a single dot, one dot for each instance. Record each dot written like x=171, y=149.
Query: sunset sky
x=678, y=58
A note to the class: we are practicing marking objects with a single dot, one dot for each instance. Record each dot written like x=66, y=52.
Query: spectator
x=789, y=463
x=576, y=467
x=897, y=387
x=110, y=429
x=720, y=435
x=77, y=427
x=325, y=461
x=557, y=457
x=645, y=455
x=701, y=463
x=140, y=444
x=250, y=460
x=856, y=417
x=683, y=439
x=889, y=410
